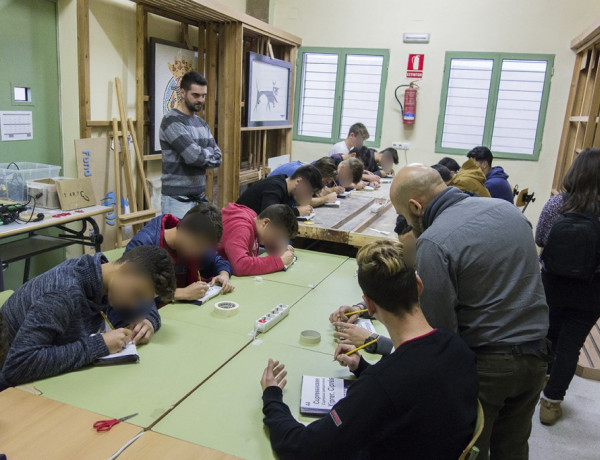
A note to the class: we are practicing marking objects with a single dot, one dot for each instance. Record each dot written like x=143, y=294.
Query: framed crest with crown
x=169, y=62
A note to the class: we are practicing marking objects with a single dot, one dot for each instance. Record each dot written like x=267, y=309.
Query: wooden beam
x=588, y=37
x=211, y=47
x=229, y=110
x=562, y=150
x=83, y=66
x=141, y=34
x=212, y=10
x=125, y=148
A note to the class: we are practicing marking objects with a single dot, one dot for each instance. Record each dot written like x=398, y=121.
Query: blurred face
x=344, y=175
x=191, y=245
x=194, y=97
x=483, y=165
x=356, y=141
x=274, y=238
x=412, y=212
x=303, y=192
x=129, y=289
x=387, y=163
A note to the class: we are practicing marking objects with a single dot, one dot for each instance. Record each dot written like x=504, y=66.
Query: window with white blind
x=494, y=99
x=336, y=88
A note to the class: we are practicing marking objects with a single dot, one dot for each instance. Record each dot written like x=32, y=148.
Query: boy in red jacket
x=244, y=232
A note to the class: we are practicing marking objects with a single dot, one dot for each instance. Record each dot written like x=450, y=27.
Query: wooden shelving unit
x=225, y=38
x=581, y=128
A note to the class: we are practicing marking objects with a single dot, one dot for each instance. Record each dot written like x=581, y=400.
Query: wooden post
x=210, y=69
x=83, y=66
x=117, y=166
x=125, y=148
x=141, y=32
x=229, y=110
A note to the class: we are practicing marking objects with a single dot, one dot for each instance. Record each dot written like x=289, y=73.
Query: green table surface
x=309, y=270
x=254, y=297
x=225, y=413
x=313, y=310
x=178, y=358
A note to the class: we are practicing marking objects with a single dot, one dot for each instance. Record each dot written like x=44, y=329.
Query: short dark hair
x=402, y=227
x=450, y=163
x=281, y=215
x=385, y=278
x=392, y=152
x=326, y=167
x=481, y=153
x=357, y=167
x=192, y=78
x=444, y=172
x=3, y=340
x=155, y=263
x=359, y=129
x=203, y=219
x=311, y=175
x=364, y=154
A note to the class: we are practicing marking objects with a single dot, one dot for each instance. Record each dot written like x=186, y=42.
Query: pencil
x=358, y=312
x=199, y=276
x=362, y=346
x=107, y=320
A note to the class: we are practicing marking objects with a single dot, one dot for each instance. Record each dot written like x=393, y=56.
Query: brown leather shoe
x=550, y=412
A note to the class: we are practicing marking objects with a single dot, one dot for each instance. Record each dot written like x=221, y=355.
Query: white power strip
x=266, y=322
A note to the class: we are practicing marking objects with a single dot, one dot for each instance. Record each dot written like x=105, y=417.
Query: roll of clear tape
x=226, y=308
x=310, y=337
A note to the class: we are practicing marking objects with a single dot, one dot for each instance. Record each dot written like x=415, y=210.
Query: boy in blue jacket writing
x=54, y=324
x=191, y=243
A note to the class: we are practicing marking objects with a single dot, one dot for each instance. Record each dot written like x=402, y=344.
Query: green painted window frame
x=493, y=100
x=339, y=91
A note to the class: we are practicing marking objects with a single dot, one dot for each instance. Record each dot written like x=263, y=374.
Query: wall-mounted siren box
x=415, y=38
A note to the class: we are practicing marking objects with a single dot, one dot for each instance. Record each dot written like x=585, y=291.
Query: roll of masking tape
x=310, y=337
x=226, y=308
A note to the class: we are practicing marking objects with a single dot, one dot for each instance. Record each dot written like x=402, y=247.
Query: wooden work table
x=354, y=222
x=34, y=427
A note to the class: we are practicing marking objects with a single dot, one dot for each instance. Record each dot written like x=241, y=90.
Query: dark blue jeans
x=574, y=309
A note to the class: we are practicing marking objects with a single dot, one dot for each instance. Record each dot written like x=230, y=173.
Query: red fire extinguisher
x=409, y=107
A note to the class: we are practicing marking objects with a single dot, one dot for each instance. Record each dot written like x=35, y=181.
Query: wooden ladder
x=140, y=213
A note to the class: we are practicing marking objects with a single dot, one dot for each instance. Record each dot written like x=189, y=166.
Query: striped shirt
x=188, y=150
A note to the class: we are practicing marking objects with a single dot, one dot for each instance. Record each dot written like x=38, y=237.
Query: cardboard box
x=75, y=193
x=44, y=192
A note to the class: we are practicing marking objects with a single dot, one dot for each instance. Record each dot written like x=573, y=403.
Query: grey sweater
x=480, y=271
x=188, y=150
x=53, y=320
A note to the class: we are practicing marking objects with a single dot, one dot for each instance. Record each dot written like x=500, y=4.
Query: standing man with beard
x=481, y=277
x=188, y=149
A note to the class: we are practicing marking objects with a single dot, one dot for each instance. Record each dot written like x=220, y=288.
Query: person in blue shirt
x=496, y=179
x=337, y=176
x=191, y=242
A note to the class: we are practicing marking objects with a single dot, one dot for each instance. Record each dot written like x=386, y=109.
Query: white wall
x=532, y=26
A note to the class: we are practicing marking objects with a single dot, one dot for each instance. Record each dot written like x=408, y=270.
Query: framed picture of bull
x=269, y=83
x=169, y=62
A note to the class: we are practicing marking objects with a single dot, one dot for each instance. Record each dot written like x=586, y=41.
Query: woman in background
x=574, y=302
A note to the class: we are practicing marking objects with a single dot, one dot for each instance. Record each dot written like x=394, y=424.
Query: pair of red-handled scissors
x=106, y=425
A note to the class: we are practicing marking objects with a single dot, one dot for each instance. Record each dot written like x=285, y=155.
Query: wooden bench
x=589, y=357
